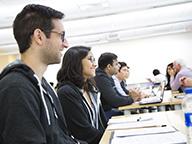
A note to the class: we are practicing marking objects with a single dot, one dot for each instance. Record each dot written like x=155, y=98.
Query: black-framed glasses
x=62, y=35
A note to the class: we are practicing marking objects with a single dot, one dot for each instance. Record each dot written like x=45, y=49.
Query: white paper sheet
x=127, y=119
x=165, y=138
x=144, y=131
x=134, y=124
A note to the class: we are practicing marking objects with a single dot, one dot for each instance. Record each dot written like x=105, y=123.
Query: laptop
x=157, y=98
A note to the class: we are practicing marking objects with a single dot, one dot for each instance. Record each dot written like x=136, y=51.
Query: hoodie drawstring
x=43, y=99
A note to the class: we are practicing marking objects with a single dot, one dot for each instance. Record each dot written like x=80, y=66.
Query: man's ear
x=38, y=36
x=109, y=66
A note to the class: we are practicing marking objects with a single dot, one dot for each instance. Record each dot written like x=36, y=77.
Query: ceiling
x=100, y=21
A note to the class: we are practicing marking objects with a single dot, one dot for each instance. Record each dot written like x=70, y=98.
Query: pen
x=150, y=126
x=143, y=119
x=127, y=128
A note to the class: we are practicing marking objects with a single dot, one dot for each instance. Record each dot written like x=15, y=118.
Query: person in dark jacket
x=79, y=96
x=30, y=109
x=110, y=97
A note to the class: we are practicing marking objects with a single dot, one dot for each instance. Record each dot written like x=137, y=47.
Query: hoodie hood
x=18, y=66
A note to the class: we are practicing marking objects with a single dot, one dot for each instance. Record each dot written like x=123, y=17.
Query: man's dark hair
x=105, y=59
x=72, y=68
x=156, y=72
x=122, y=64
x=30, y=18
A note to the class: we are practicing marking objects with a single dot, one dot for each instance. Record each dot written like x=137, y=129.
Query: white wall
x=143, y=55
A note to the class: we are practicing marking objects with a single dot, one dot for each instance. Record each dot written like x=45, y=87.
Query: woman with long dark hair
x=79, y=96
x=169, y=70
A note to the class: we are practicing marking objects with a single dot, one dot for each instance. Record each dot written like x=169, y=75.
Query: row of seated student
x=110, y=97
x=174, y=71
x=80, y=92
x=31, y=111
x=80, y=98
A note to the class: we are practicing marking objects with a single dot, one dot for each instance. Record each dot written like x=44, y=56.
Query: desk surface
x=172, y=101
x=168, y=99
x=173, y=118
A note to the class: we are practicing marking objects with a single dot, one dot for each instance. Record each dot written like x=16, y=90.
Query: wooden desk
x=175, y=93
x=173, y=118
x=173, y=101
x=168, y=100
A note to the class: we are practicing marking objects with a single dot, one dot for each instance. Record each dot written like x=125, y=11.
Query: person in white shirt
x=120, y=78
x=158, y=77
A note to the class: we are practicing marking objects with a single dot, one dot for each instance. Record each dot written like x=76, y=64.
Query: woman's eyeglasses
x=92, y=59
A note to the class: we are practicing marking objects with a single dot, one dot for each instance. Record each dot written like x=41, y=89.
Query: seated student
x=158, y=77
x=30, y=109
x=169, y=71
x=79, y=96
x=181, y=70
x=110, y=98
x=120, y=78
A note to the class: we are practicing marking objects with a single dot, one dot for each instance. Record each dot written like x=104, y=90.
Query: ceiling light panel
x=151, y=17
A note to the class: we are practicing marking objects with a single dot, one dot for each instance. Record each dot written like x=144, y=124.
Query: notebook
x=157, y=98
